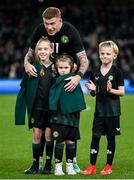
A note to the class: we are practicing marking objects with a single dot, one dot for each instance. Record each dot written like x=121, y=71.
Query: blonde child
x=107, y=85
x=34, y=95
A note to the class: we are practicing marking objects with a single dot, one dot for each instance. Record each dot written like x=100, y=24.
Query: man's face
x=52, y=25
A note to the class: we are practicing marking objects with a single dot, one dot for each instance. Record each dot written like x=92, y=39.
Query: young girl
x=34, y=95
x=66, y=107
x=107, y=85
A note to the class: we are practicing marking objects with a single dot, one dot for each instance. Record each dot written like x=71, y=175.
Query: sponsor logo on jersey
x=96, y=78
x=64, y=39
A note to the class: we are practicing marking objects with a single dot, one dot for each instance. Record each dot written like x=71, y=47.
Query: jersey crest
x=64, y=39
x=55, y=134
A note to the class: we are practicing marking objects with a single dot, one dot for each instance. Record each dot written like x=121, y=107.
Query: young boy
x=34, y=95
x=66, y=107
x=107, y=85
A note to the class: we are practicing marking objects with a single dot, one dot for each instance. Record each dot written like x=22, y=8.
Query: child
x=107, y=85
x=34, y=94
x=66, y=107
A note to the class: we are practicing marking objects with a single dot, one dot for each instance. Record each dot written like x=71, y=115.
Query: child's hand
x=90, y=86
x=109, y=86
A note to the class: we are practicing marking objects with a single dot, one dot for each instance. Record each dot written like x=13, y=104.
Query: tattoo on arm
x=83, y=61
x=28, y=57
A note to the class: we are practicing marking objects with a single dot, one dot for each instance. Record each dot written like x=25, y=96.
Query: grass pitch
x=16, y=150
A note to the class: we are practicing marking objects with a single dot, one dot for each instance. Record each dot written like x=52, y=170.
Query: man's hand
x=73, y=82
x=30, y=70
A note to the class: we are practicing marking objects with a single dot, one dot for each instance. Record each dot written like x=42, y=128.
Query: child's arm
x=120, y=91
x=91, y=86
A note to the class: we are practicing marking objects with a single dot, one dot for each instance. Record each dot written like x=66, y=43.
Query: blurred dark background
x=96, y=20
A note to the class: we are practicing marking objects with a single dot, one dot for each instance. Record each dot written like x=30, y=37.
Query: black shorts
x=40, y=119
x=64, y=132
x=106, y=126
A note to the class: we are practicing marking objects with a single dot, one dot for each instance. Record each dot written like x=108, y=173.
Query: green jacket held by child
x=68, y=102
x=26, y=97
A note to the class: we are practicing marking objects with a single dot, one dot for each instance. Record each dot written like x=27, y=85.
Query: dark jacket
x=68, y=102
x=26, y=97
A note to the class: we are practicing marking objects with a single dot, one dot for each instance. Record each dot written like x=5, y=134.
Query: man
x=65, y=39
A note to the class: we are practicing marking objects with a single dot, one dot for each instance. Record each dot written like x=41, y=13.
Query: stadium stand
x=96, y=20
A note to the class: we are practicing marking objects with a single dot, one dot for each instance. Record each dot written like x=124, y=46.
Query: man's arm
x=29, y=68
x=28, y=57
x=84, y=63
x=74, y=80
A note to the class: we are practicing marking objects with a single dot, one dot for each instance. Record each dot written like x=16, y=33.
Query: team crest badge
x=110, y=78
x=64, y=39
x=55, y=134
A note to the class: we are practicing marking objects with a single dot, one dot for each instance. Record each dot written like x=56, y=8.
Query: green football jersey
x=107, y=104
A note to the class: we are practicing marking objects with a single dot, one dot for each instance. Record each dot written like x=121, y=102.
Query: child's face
x=63, y=68
x=107, y=55
x=44, y=51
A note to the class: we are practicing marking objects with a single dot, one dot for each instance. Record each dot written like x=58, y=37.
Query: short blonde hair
x=37, y=44
x=110, y=44
x=51, y=12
